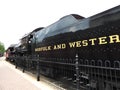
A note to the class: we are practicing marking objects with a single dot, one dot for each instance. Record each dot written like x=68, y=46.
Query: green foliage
x=2, y=48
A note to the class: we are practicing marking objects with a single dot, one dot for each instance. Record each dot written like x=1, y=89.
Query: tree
x=2, y=48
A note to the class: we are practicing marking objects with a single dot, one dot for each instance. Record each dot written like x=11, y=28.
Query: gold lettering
x=43, y=48
x=93, y=41
x=63, y=46
x=49, y=47
x=36, y=49
x=72, y=44
x=85, y=43
x=102, y=40
x=55, y=47
x=114, y=38
x=60, y=46
x=78, y=44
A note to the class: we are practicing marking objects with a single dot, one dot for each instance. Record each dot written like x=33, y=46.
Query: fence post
x=77, y=71
x=23, y=62
x=15, y=61
x=38, y=69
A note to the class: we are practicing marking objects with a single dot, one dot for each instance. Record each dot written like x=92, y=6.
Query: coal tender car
x=10, y=53
x=93, y=41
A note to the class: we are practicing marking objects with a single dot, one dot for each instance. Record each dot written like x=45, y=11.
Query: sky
x=19, y=17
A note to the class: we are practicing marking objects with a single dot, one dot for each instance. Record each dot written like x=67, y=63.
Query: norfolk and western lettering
x=83, y=43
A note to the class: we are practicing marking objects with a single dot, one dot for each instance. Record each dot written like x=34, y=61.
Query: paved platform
x=14, y=79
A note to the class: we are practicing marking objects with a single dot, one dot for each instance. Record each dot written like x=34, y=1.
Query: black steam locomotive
x=74, y=46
